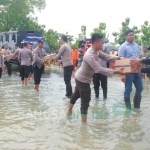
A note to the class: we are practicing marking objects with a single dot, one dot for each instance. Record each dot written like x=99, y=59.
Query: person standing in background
x=31, y=75
x=6, y=54
x=1, y=62
x=80, y=54
x=15, y=56
x=74, y=56
x=100, y=79
x=25, y=57
x=146, y=54
x=38, y=64
x=65, y=52
x=129, y=49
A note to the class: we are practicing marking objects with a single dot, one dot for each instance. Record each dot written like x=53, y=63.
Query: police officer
x=6, y=53
x=38, y=64
x=31, y=67
x=25, y=57
x=15, y=55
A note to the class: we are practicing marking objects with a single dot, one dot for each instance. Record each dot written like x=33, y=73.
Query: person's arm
x=77, y=54
x=31, y=57
x=80, y=54
x=37, y=58
x=9, y=53
x=107, y=57
x=61, y=51
x=19, y=57
x=44, y=52
x=2, y=63
x=98, y=68
x=122, y=52
x=14, y=55
x=145, y=61
x=138, y=61
x=145, y=70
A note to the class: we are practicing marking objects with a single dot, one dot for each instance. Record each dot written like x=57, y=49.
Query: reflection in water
x=38, y=121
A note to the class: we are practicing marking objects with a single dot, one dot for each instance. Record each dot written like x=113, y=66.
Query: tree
x=53, y=38
x=15, y=14
x=81, y=36
x=120, y=36
x=101, y=29
x=145, y=36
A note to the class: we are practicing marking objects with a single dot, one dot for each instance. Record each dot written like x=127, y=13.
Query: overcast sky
x=69, y=15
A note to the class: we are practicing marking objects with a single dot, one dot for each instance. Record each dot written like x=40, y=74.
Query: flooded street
x=37, y=121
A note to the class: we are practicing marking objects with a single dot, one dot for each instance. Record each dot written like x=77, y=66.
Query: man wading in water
x=84, y=74
x=65, y=52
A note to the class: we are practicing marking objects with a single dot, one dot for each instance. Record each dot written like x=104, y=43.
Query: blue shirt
x=129, y=50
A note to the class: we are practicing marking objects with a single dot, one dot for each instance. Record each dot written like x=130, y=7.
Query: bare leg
x=84, y=118
x=29, y=76
x=69, y=113
x=25, y=81
x=22, y=82
x=32, y=76
x=37, y=87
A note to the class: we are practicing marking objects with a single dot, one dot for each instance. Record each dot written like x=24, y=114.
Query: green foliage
x=81, y=36
x=145, y=30
x=53, y=38
x=14, y=14
x=120, y=36
x=101, y=29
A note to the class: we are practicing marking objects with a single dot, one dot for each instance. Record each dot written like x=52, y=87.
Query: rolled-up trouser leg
x=85, y=95
x=67, y=78
x=103, y=79
x=23, y=72
x=37, y=75
x=27, y=71
x=0, y=72
x=96, y=82
x=75, y=95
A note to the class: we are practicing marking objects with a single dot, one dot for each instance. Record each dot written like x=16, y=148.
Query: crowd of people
x=92, y=66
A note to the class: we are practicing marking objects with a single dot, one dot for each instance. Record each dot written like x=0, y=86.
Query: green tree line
x=18, y=15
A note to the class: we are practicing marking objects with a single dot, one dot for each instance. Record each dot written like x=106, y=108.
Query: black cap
x=41, y=41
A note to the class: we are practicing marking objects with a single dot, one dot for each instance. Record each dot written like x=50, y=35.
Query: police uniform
x=38, y=64
x=25, y=58
x=1, y=63
x=8, y=65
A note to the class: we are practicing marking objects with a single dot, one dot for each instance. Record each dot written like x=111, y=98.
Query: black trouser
x=31, y=69
x=24, y=72
x=37, y=74
x=77, y=63
x=67, y=78
x=0, y=72
x=8, y=66
x=97, y=78
x=83, y=91
x=19, y=67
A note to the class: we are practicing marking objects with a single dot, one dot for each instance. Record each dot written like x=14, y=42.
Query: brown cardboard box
x=125, y=63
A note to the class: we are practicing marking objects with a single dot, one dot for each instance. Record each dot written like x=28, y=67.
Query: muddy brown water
x=37, y=121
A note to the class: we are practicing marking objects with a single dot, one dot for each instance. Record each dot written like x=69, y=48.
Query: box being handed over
x=48, y=58
x=125, y=63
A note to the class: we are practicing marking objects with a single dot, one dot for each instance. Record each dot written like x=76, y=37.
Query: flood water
x=37, y=121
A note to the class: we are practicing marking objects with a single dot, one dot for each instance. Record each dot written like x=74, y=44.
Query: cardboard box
x=125, y=63
x=49, y=58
